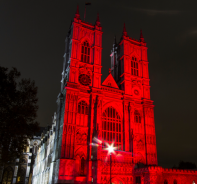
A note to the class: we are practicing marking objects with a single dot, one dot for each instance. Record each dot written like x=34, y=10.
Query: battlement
x=164, y=170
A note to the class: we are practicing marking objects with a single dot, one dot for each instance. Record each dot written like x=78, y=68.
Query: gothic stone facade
x=20, y=170
x=119, y=110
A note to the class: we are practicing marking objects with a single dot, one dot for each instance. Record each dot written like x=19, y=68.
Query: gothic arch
x=116, y=180
x=23, y=160
x=116, y=106
x=7, y=175
x=83, y=107
x=137, y=116
x=84, y=39
x=134, y=54
x=83, y=99
x=80, y=160
x=80, y=152
x=112, y=127
x=85, y=51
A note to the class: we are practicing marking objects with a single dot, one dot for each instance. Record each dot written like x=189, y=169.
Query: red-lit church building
x=118, y=110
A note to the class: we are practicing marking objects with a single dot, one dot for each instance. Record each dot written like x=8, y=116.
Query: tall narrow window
x=165, y=182
x=83, y=108
x=175, y=181
x=138, y=180
x=134, y=67
x=7, y=176
x=85, y=52
x=21, y=175
x=111, y=127
x=137, y=117
x=82, y=166
x=119, y=68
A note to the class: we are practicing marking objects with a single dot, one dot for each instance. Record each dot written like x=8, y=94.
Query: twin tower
x=118, y=110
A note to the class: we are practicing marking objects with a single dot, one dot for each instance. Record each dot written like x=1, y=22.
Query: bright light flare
x=97, y=140
x=110, y=148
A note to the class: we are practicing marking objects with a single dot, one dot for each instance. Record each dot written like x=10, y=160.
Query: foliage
x=18, y=111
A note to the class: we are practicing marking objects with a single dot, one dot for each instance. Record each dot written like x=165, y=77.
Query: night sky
x=32, y=35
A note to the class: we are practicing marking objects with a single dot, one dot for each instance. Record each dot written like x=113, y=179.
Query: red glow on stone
x=118, y=112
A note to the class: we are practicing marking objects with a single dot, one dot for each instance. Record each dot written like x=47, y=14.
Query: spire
x=109, y=70
x=114, y=40
x=98, y=20
x=124, y=31
x=77, y=13
x=141, y=36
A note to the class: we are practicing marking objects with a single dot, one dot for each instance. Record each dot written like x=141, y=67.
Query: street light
x=110, y=148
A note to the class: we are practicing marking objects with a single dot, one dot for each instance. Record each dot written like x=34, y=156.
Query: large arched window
x=83, y=108
x=85, y=52
x=137, y=117
x=7, y=176
x=134, y=67
x=111, y=127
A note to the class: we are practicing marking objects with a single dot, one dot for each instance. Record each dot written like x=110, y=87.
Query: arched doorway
x=7, y=176
x=116, y=181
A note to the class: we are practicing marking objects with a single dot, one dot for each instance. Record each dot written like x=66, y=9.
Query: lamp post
x=110, y=148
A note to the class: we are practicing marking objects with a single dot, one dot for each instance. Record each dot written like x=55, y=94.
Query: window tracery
x=83, y=108
x=85, y=52
x=134, y=67
x=137, y=117
x=111, y=127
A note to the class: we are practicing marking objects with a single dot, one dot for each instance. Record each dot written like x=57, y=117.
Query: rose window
x=84, y=79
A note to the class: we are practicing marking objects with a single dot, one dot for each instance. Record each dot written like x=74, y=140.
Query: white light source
x=110, y=148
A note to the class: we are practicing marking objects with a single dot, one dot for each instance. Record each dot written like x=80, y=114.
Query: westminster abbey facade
x=116, y=111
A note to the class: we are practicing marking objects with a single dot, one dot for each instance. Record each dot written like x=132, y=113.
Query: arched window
x=21, y=176
x=83, y=166
x=23, y=160
x=175, y=182
x=83, y=108
x=165, y=182
x=111, y=127
x=137, y=117
x=7, y=176
x=85, y=52
x=134, y=67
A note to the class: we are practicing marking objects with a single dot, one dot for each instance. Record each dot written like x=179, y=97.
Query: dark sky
x=32, y=35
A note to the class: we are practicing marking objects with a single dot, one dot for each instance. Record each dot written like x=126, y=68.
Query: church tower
x=118, y=111
x=93, y=117
x=82, y=58
x=129, y=67
x=76, y=116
